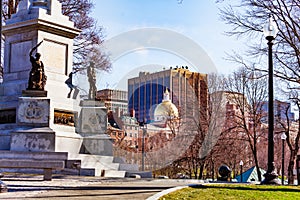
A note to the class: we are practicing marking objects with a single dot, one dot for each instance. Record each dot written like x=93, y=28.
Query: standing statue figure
x=92, y=81
x=69, y=83
x=37, y=77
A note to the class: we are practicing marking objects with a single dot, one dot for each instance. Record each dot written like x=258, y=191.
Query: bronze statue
x=92, y=81
x=69, y=83
x=37, y=77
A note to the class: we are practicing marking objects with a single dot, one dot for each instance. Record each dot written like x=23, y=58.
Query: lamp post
x=241, y=165
x=270, y=30
x=143, y=149
x=283, y=138
x=143, y=142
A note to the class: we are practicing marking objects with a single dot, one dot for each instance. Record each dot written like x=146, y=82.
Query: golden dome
x=166, y=109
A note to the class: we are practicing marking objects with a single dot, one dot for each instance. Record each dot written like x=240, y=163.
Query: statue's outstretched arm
x=34, y=48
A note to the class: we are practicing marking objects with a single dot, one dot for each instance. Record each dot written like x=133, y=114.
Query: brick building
x=114, y=100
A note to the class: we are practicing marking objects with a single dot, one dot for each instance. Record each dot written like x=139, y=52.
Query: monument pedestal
x=33, y=115
x=33, y=111
x=92, y=127
x=41, y=121
x=34, y=139
x=97, y=145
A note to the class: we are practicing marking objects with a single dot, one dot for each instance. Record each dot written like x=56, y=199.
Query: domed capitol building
x=164, y=111
x=186, y=89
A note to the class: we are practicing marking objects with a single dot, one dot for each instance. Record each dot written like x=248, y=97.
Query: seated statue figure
x=37, y=77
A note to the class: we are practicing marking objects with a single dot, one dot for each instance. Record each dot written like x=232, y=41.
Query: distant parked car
x=162, y=177
x=182, y=176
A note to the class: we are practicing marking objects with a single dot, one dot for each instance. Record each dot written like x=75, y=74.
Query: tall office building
x=188, y=91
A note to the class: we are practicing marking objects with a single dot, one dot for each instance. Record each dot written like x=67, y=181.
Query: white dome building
x=164, y=111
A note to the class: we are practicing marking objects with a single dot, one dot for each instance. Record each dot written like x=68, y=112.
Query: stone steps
x=114, y=174
x=128, y=167
x=5, y=154
x=95, y=161
x=97, y=165
x=78, y=164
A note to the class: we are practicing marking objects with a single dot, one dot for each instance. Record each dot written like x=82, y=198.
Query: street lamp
x=241, y=165
x=144, y=128
x=270, y=30
x=143, y=148
x=283, y=138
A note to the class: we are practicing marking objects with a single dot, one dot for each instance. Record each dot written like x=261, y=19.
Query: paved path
x=78, y=187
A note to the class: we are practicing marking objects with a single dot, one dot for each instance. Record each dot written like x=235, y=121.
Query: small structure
x=250, y=175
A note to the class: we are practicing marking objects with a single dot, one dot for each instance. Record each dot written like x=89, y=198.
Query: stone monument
x=37, y=112
x=93, y=121
x=30, y=107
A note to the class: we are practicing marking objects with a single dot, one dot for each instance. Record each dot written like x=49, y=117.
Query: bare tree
x=247, y=20
x=87, y=41
x=91, y=36
x=291, y=129
x=204, y=124
x=248, y=94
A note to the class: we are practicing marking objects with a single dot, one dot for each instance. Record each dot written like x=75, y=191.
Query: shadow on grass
x=269, y=188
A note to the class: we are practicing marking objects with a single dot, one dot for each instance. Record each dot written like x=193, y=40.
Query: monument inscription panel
x=33, y=111
x=56, y=61
x=93, y=120
x=19, y=59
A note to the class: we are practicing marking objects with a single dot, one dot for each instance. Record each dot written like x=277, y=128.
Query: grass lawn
x=236, y=191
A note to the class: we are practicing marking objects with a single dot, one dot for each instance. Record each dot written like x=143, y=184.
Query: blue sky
x=197, y=20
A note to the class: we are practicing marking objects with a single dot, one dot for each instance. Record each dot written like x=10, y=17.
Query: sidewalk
x=79, y=187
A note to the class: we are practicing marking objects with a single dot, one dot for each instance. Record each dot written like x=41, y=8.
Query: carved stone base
x=93, y=117
x=97, y=145
x=35, y=140
x=92, y=127
x=33, y=111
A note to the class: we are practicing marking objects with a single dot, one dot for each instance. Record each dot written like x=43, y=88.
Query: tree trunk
x=257, y=166
x=201, y=170
x=291, y=167
x=195, y=171
x=201, y=164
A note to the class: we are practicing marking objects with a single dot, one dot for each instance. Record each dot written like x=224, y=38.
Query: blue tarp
x=250, y=175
